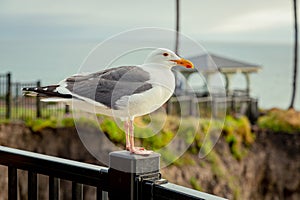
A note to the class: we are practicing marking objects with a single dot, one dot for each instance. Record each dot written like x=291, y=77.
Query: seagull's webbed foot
x=138, y=148
x=139, y=151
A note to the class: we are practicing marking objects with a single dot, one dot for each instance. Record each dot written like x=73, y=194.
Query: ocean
x=52, y=61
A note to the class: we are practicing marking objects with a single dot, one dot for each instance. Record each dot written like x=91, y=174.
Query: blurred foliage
x=39, y=124
x=67, y=122
x=287, y=121
x=195, y=185
x=112, y=130
x=237, y=132
x=196, y=135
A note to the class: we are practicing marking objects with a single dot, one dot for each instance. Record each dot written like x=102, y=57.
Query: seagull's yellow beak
x=184, y=62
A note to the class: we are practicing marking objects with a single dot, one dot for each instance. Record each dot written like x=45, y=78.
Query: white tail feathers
x=30, y=94
x=55, y=99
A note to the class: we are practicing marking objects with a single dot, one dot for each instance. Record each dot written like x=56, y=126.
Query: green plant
x=287, y=121
x=67, y=122
x=237, y=132
x=111, y=129
x=40, y=124
x=195, y=185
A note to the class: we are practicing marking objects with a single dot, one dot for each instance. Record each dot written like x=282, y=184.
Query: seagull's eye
x=165, y=54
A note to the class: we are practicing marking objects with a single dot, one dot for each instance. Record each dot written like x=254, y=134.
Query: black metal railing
x=56, y=168
x=85, y=174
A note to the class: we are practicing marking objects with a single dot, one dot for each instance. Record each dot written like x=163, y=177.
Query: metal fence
x=14, y=105
x=5, y=80
x=109, y=183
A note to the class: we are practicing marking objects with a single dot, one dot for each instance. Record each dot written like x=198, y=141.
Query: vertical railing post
x=77, y=191
x=8, y=96
x=127, y=170
x=67, y=109
x=12, y=183
x=16, y=99
x=38, y=102
x=53, y=188
x=32, y=186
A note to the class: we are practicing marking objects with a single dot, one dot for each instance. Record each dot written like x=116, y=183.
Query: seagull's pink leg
x=132, y=148
x=128, y=130
x=126, y=127
x=131, y=134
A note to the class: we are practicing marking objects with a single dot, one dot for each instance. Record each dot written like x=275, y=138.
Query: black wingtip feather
x=47, y=91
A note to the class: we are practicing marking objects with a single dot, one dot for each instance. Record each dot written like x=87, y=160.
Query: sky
x=38, y=37
x=215, y=20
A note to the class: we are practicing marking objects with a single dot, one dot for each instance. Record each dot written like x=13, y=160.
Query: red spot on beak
x=184, y=63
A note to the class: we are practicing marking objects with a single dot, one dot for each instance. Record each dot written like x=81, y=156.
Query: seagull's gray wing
x=108, y=86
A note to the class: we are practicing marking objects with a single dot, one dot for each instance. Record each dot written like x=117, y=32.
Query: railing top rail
x=180, y=192
x=97, y=176
x=53, y=166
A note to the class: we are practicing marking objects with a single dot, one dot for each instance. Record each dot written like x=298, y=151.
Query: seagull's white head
x=168, y=58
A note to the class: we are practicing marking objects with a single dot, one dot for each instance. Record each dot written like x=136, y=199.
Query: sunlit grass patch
x=277, y=120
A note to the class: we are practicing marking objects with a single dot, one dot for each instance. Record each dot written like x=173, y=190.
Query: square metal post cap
x=132, y=163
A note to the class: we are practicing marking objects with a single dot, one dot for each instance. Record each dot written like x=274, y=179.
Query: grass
x=39, y=124
x=276, y=120
x=195, y=185
x=111, y=129
x=238, y=135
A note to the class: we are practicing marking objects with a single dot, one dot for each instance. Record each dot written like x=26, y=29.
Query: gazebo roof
x=208, y=62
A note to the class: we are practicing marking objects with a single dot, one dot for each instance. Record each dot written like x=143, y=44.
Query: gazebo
x=209, y=64
x=235, y=101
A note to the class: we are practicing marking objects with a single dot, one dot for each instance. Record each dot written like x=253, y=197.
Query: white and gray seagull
x=125, y=91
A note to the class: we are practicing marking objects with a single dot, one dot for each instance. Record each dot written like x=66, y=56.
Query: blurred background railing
x=14, y=105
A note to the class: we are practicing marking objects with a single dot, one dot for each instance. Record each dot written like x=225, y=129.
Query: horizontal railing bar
x=52, y=166
x=177, y=190
x=171, y=191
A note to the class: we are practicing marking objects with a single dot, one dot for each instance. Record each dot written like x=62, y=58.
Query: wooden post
x=8, y=96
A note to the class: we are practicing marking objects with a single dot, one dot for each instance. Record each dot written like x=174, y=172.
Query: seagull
x=125, y=92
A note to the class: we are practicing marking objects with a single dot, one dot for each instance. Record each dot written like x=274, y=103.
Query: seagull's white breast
x=163, y=85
